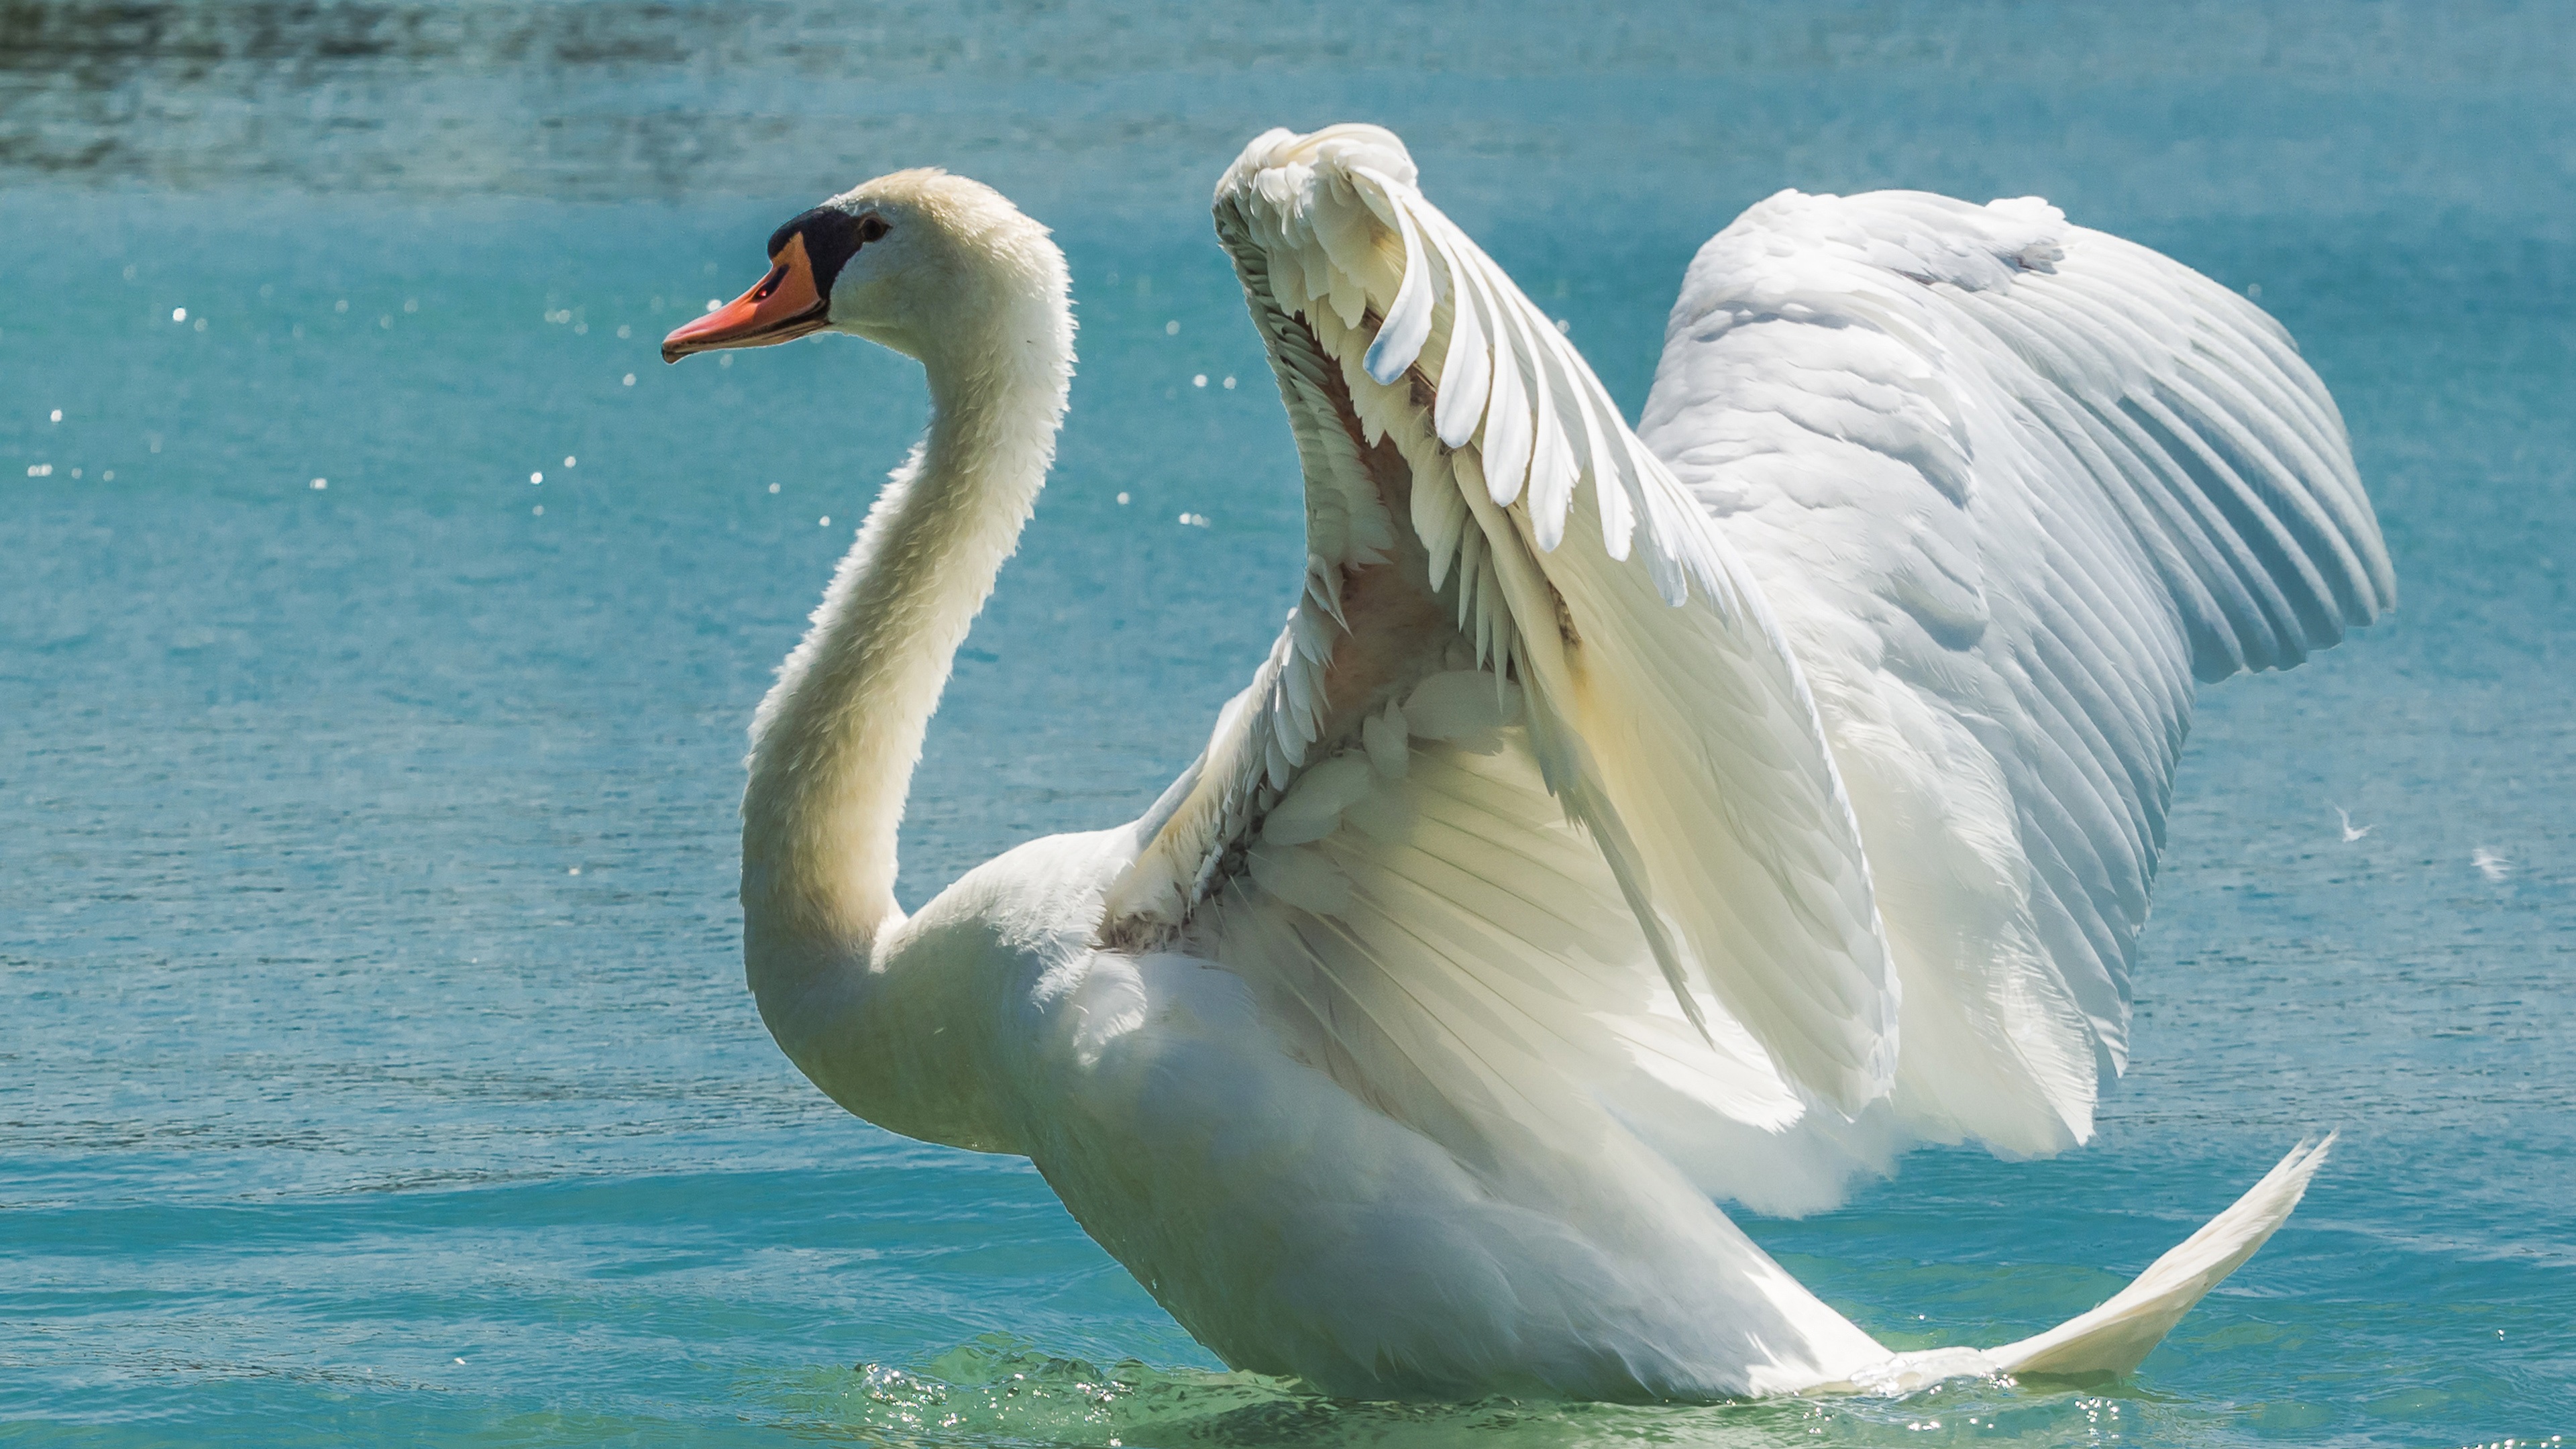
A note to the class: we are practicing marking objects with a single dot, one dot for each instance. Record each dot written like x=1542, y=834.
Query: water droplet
x=570, y=460
x=178, y=314
x=1122, y=500
x=630, y=379
x=539, y=511
x=1172, y=328
x=201, y=324
x=58, y=415
x=773, y=487
x=412, y=304
x=536, y=477
x=825, y=521
x=1229, y=384
x=625, y=331
x=713, y=304
x=318, y=484
x=1198, y=379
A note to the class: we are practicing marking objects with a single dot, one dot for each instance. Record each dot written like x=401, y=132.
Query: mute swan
x=1623, y=817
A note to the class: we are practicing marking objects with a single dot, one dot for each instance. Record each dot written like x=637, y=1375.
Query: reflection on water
x=2176, y=109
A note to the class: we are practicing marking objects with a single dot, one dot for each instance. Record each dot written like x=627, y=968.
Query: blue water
x=374, y=1064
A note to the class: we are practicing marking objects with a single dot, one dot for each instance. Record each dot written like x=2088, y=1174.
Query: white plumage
x=1623, y=816
x=2009, y=485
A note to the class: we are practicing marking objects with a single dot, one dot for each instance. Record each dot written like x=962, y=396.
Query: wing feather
x=1664, y=749
x=1539, y=813
x=2131, y=481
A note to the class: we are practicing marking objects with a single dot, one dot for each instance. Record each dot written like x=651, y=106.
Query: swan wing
x=2011, y=487
x=1529, y=813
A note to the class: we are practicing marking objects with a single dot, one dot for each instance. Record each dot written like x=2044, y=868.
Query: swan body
x=1625, y=818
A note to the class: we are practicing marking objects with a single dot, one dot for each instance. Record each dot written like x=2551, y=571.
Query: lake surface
x=377, y=637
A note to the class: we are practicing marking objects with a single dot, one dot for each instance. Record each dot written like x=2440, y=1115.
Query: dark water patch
x=2126, y=112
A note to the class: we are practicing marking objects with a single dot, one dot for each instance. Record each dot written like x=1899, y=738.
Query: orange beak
x=784, y=307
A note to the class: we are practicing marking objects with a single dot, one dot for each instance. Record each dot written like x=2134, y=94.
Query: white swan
x=1622, y=817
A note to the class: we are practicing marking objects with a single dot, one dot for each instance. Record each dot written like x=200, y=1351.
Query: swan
x=1626, y=819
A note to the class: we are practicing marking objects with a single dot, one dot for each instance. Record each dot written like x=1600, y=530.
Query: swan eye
x=769, y=284
x=830, y=237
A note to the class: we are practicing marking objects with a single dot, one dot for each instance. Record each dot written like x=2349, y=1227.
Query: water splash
x=999, y=1389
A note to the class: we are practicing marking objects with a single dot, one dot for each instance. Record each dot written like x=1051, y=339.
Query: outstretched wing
x=2010, y=485
x=1529, y=812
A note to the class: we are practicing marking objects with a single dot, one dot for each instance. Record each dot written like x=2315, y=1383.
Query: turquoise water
x=374, y=1064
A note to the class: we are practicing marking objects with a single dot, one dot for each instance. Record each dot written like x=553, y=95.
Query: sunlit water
x=374, y=1063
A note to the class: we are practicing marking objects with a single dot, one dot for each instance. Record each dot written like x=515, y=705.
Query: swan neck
x=835, y=742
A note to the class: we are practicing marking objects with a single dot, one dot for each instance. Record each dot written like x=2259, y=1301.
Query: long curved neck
x=835, y=742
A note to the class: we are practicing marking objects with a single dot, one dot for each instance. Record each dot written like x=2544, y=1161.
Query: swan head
x=917, y=261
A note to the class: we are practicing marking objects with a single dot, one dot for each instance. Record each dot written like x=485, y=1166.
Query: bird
x=2491, y=864
x=2351, y=832
x=1629, y=820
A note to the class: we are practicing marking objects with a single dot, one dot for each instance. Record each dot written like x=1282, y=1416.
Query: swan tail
x=2113, y=1338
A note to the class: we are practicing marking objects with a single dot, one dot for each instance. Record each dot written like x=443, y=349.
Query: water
x=374, y=1064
